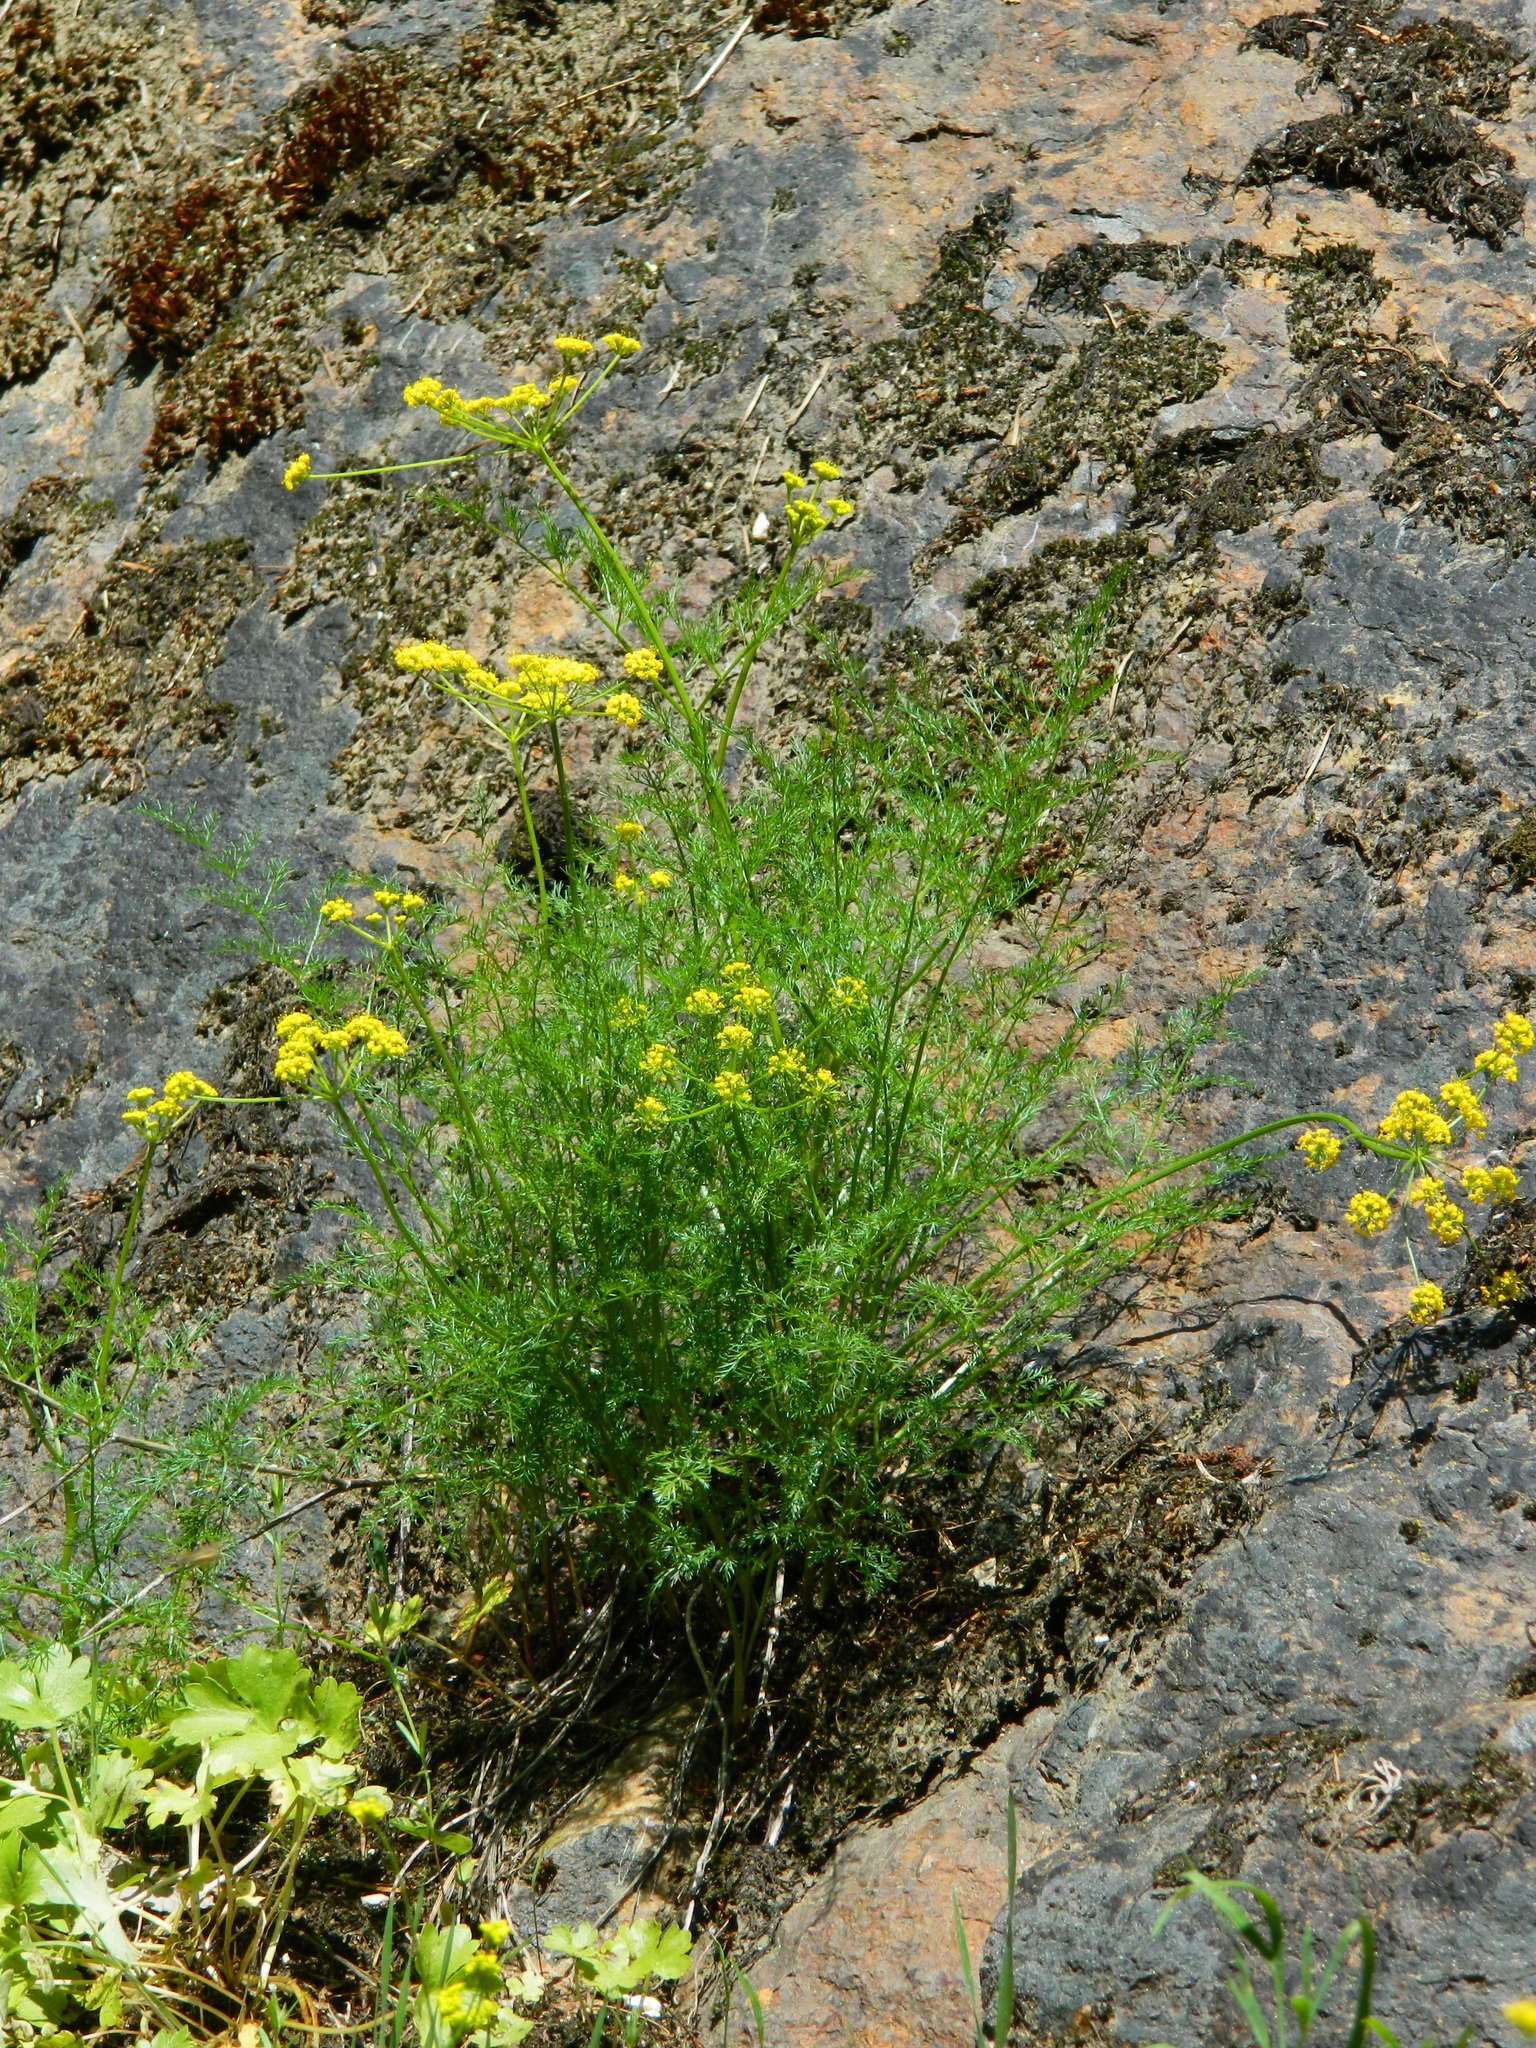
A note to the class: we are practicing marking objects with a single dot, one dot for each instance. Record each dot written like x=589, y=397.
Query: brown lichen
x=335, y=127
x=182, y=265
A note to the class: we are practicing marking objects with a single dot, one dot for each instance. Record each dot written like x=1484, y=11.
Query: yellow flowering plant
x=709, y=1217
x=1428, y=1142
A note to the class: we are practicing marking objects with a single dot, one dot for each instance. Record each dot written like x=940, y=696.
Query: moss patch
x=1408, y=135
x=134, y=675
x=957, y=373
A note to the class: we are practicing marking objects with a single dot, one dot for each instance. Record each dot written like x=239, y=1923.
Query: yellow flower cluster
x=371, y=1805
x=806, y=512
x=1369, y=1213
x=303, y=1039
x=155, y=1116
x=541, y=685
x=627, y=1014
x=1320, y=1148
x=735, y=1039
x=395, y=907
x=431, y=657
x=1513, y=1035
x=643, y=665
x=628, y=830
x=1502, y=1290
x=628, y=887
x=1490, y=1183
x=296, y=472
x=849, y=992
x=1462, y=1099
x=1426, y=1304
x=1413, y=1118
x=468, y=2001
x=624, y=708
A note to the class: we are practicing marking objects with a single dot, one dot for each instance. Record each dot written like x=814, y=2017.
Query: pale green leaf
x=46, y=1691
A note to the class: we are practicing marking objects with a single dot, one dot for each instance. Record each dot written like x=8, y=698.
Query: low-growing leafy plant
x=99, y=1914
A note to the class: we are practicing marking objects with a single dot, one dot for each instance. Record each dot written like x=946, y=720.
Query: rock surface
x=1060, y=288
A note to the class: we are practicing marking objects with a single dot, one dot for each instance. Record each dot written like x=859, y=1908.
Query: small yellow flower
x=369, y=1805
x=139, y=1095
x=1320, y=1148
x=410, y=903
x=1369, y=1214
x=823, y=1082
x=627, y=1014
x=373, y=917
x=386, y=899
x=1425, y=1189
x=1426, y=1304
x=827, y=471
x=1462, y=1098
x=528, y=397
x=1504, y=1289
x=624, y=885
x=1477, y=1183
x=788, y=1062
x=337, y=910
x=732, y=1089
x=643, y=665
x=427, y=391
x=1498, y=1063
x=572, y=346
x=651, y=1113
x=1413, y=1116
x=794, y=480
x=495, y=1932
x=627, y=830
x=734, y=971
x=659, y=1063
x=1522, y=2014
x=704, y=1002
x=1447, y=1223
x=562, y=387
x=624, y=708
x=1506, y=1183
x=377, y=1037
x=621, y=344
x=1514, y=1033
x=296, y=472
x=752, y=999
x=733, y=1038
x=851, y=992
x=806, y=519
x=840, y=508
x=660, y=878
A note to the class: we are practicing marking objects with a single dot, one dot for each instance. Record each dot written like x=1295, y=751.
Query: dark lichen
x=956, y=373
x=1074, y=281
x=1099, y=409
x=1408, y=134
